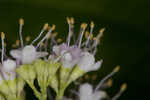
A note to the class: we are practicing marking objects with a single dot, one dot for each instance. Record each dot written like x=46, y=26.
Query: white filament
x=46, y=36
x=2, y=53
x=20, y=34
x=42, y=31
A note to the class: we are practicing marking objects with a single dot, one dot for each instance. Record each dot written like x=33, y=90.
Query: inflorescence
x=55, y=63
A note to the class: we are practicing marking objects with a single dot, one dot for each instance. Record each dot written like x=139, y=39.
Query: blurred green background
x=126, y=41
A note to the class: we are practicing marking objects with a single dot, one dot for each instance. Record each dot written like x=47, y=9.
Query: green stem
x=60, y=94
x=36, y=92
x=43, y=93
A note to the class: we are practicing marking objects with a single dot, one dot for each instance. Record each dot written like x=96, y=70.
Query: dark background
x=126, y=41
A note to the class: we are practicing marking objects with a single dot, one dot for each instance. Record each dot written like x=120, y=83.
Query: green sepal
x=41, y=72
x=4, y=89
x=7, y=88
x=27, y=72
x=75, y=74
x=45, y=71
x=52, y=69
x=64, y=74
x=54, y=83
x=12, y=86
x=20, y=86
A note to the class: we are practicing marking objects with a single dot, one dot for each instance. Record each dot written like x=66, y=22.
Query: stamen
x=116, y=69
x=54, y=42
x=59, y=40
x=28, y=38
x=94, y=77
x=94, y=51
x=82, y=30
x=2, y=53
x=14, y=46
x=70, y=22
x=91, y=31
x=54, y=34
x=47, y=35
x=97, y=39
x=41, y=45
x=109, y=83
x=17, y=42
x=122, y=89
x=59, y=57
x=86, y=34
x=21, y=23
x=46, y=41
x=46, y=44
x=42, y=31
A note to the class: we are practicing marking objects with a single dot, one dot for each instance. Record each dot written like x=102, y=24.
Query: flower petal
x=67, y=60
x=96, y=66
x=86, y=61
x=41, y=54
x=16, y=54
x=9, y=65
x=56, y=50
x=99, y=95
x=85, y=92
x=28, y=54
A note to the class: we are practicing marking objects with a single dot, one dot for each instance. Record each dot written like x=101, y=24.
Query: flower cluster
x=53, y=63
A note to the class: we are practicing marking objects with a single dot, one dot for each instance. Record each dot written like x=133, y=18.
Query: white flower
x=87, y=62
x=66, y=59
x=28, y=54
x=99, y=95
x=69, y=55
x=9, y=65
x=86, y=93
x=8, y=69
